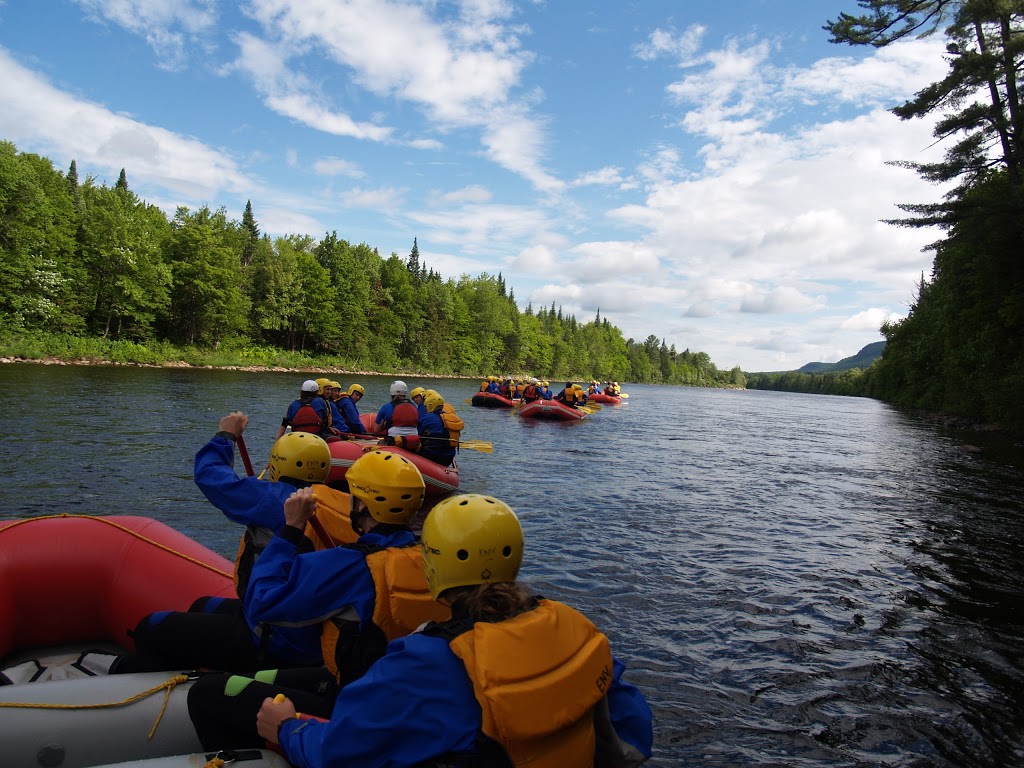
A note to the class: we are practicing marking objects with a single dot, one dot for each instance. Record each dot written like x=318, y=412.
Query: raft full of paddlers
x=532, y=398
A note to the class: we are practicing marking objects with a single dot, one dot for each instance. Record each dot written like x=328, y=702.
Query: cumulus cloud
x=168, y=26
x=383, y=199
x=869, y=320
x=461, y=69
x=336, y=166
x=64, y=127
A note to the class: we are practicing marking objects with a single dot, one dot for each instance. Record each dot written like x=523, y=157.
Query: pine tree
x=252, y=234
x=73, y=178
x=413, y=262
x=122, y=182
x=979, y=96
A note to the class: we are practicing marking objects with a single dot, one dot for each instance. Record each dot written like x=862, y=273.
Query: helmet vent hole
x=506, y=551
x=462, y=554
x=380, y=498
x=298, y=464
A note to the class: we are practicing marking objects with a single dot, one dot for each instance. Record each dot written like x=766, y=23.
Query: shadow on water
x=792, y=580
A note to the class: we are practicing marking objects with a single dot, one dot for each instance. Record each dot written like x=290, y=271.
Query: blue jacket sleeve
x=630, y=713
x=291, y=588
x=244, y=500
x=415, y=703
x=351, y=414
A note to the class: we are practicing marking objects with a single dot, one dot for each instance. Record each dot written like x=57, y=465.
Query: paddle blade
x=477, y=445
x=624, y=395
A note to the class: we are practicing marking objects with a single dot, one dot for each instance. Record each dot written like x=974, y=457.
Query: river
x=792, y=580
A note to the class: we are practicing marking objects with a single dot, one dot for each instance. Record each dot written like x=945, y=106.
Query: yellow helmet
x=471, y=539
x=432, y=400
x=356, y=388
x=577, y=387
x=416, y=391
x=300, y=456
x=390, y=485
x=334, y=385
x=321, y=383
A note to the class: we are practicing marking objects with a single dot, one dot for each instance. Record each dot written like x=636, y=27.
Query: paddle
x=245, y=456
x=471, y=445
x=623, y=395
x=595, y=406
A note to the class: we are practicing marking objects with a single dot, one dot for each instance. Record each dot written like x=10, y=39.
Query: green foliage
x=94, y=273
x=961, y=348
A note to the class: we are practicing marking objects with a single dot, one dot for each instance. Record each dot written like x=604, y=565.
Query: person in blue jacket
x=435, y=437
x=347, y=403
x=216, y=632
x=362, y=595
x=454, y=694
x=544, y=391
x=308, y=413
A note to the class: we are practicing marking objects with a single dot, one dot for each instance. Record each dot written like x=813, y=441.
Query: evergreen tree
x=412, y=264
x=122, y=182
x=252, y=234
x=73, y=178
x=979, y=96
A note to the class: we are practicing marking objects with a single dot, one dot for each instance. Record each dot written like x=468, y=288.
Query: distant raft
x=492, y=400
x=552, y=410
x=71, y=587
x=601, y=397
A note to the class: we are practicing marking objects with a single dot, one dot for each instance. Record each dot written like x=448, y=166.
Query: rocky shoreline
x=246, y=368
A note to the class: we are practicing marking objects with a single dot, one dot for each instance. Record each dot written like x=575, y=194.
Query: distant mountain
x=862, y=359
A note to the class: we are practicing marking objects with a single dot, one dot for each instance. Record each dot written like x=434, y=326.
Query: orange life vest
x=403, y=603
x=539, y=678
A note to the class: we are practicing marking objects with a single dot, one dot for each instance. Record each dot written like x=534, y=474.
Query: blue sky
x=712, y=173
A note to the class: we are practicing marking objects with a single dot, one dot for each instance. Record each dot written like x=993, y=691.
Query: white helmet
x=310, y=386
x=399, y=388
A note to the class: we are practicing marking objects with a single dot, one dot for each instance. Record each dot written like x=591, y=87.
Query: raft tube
x=83, y=582
x=551, y=410
x=440, y=480
x=241, y=758
x=601, y=397
x=492, y=400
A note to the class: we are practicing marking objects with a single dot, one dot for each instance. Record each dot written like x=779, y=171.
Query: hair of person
x=491, y=602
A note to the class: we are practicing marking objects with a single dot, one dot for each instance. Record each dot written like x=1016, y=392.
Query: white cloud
x=386, y=199
x=167, y=25
x=607, y=176
x=869, y=320
x=65, y=128
x=336, y=166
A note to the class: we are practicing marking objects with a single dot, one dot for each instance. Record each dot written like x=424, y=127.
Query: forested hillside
x=88, y=260
x=960, y=350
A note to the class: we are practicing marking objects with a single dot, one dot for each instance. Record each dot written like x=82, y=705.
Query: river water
x=792, y=580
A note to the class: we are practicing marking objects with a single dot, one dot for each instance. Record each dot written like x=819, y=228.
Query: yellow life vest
x=453, y=423
x=403, y=603
x=539, y=678
x=332, y=510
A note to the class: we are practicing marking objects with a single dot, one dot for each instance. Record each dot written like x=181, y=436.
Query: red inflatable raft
x=552, y=410
x=601, y=397
x=492, y=400
x=440, y=481
x=69, y=579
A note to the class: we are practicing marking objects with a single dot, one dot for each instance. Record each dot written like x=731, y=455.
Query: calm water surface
x=792, y=580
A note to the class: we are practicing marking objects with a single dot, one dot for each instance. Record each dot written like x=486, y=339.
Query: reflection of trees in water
x=972, y=596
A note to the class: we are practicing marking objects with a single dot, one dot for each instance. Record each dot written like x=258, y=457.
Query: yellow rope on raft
x=136, y=534
x=167, y=686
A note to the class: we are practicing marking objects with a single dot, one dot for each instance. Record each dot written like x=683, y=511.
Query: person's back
x=399, y=418
x=559, y=699
x=361, y=595
x=308, y=413
x=439, y=430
